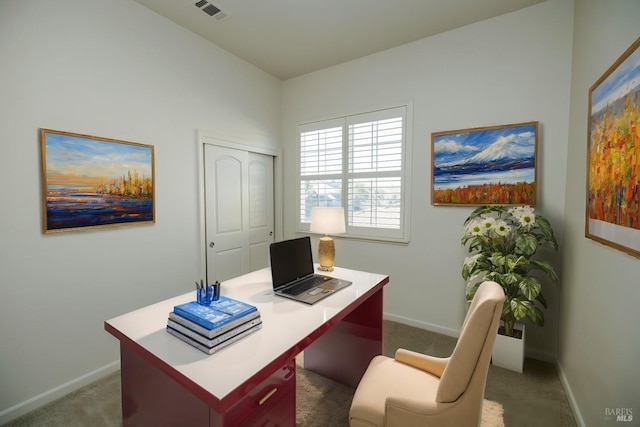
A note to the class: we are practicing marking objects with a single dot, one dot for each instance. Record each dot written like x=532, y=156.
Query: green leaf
x=527, y=244
x=519, y=308
x=547, y=231
x=511, y=278
x=530, y=288
x=466, y=273
x=522, y=308
x=498, y=260
x=535, y=315
x=547, y=268
x=506, y=310
x=541, y=300
x=514, y=262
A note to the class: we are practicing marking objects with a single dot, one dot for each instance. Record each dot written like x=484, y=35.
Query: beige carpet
x=533, y=398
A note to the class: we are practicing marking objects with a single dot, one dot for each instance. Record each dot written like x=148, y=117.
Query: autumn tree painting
x=613, y=166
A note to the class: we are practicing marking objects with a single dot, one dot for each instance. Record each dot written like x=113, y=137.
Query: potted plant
x=503, y=242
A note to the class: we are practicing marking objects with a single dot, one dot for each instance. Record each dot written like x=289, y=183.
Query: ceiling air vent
x=211, y=10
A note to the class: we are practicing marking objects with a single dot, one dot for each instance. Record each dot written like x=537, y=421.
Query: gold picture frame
x=492, y=165
x=93, y=182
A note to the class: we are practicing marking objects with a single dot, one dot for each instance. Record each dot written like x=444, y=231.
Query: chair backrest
x=476, y=340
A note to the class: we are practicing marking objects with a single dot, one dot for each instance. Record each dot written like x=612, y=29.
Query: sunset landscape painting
x=90, y=181
x=485, y=166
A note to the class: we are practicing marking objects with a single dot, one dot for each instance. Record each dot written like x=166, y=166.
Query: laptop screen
x=290, y=260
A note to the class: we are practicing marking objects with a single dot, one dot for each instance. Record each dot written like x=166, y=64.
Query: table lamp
x=327, y=221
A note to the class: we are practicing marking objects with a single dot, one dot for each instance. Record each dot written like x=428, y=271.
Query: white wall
x=510, y=69
x=112, y=69
x=600, y=345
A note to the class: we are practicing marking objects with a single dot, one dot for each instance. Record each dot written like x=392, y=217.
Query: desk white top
x=285, y=325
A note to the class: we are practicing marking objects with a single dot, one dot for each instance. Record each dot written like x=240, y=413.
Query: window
x=358, y=162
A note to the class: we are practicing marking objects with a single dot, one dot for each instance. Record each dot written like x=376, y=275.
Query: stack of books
x=210, y=328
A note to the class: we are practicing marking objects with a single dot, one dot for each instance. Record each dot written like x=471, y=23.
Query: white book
x=211, y=350
x=210, y=342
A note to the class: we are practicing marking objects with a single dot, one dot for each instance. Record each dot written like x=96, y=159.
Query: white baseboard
x=422, y=325
x=577, y=415
x=42, y=399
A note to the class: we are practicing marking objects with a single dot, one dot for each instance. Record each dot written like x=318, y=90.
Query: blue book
x=213, y=316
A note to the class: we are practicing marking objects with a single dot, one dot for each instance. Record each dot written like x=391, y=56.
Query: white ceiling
x=288, y=38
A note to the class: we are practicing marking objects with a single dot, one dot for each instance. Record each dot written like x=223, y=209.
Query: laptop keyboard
x=304, y=285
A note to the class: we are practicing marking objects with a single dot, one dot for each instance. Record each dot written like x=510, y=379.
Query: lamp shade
x=327, y=220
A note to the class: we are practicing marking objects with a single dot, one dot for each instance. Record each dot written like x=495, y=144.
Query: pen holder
x=204, y=296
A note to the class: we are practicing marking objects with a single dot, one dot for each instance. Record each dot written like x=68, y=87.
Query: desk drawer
x=281, y=413
x=274, y=395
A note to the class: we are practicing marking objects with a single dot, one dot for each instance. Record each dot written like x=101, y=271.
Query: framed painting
x=493, y=165
x=90, y=182
x=613, y=164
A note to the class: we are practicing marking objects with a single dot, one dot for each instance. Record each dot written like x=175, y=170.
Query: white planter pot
x=508, y=352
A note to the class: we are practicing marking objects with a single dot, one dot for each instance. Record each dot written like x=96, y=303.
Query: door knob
x=211, y=244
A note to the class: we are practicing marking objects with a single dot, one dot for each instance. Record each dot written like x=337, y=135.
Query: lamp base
x=326, y=254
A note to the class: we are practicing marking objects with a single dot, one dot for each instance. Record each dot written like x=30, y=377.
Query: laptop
x=293, y=275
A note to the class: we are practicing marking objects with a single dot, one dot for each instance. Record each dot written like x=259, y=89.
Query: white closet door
x=260, y=209
x=239, y=211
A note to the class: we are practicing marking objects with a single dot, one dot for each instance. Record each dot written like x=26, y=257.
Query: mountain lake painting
x=485, y=166
x=91, y=182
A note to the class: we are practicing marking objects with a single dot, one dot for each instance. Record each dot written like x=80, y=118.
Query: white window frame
x=398, y=235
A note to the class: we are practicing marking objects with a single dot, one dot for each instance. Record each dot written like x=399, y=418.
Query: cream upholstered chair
x=419, y=390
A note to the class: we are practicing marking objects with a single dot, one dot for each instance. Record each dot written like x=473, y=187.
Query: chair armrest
x=430, y=364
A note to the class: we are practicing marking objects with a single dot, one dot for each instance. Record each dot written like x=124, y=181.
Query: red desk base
x=343, y=353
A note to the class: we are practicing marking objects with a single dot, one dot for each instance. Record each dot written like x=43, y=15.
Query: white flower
x=502, y=228
x=475, y=229
x=519, y=210
x=488, y=223
x=524, y=215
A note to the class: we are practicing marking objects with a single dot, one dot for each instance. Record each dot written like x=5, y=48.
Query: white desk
x=167, y=382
